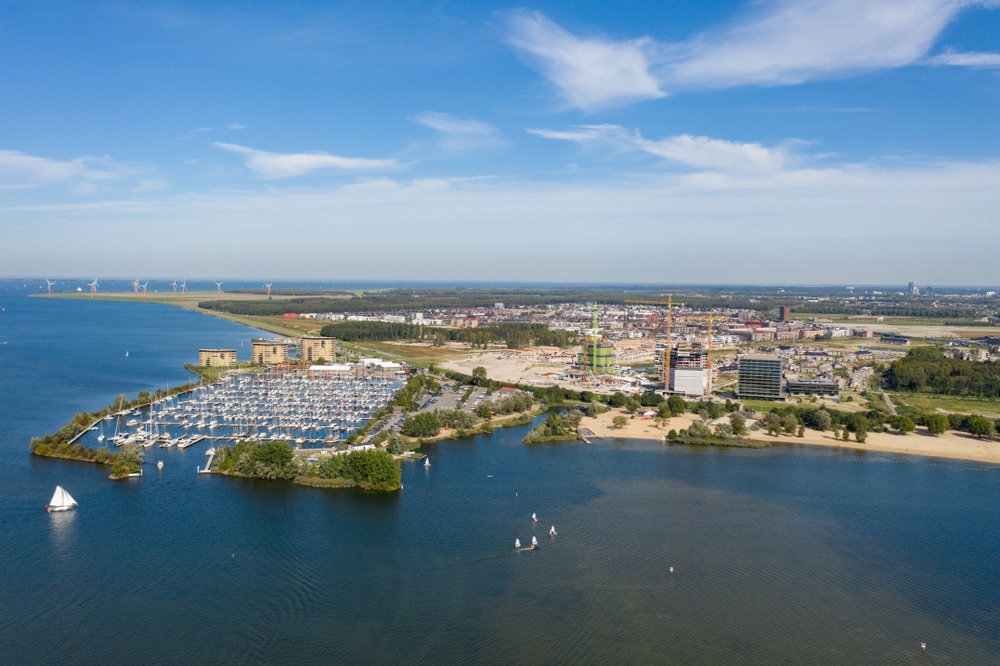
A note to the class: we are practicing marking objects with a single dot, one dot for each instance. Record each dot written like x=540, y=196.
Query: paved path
x=888, y=403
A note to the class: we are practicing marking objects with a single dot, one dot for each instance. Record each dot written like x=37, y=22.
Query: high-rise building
x=785, y=312
x=688, y=369
x=316, y=348
x=759, y=377
x=598, y=356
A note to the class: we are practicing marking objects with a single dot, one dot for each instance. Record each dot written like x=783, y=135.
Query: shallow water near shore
x=781, y=556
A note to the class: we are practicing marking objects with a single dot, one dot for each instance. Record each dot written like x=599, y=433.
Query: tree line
x=369, y=469
x=926, y=370
x=515, y=335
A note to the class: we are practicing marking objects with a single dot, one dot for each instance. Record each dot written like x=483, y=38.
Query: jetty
x=208, y=465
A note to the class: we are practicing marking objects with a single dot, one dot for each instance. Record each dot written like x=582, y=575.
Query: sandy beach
x=959, y=446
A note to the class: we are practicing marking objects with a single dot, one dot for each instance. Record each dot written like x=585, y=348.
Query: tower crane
x=666, y=351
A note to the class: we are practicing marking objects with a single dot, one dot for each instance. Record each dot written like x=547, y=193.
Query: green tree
x=698, y=430
x=484, y=410
x=394, y=443
x=677, y=405
x=479, y=377
x=773, y=423
x=618, y=399
x=790, y=423
x=861, y=429
x=372, y=469
x=723, y=431
x=632, y=405
x=128, y=460
x=738, y=424
x=822, y=420
x=619, y=421
x=425, y=424
x=904, y=424
x=936, y=423
x=981, y=427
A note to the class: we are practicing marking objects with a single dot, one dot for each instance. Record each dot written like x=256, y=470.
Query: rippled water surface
x=781, y=556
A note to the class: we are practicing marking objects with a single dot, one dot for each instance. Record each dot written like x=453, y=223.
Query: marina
x=297, y=405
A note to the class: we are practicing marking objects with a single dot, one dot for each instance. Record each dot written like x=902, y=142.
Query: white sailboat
x=61, y=501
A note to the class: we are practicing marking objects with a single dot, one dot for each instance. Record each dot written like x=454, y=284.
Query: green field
x=948, y=403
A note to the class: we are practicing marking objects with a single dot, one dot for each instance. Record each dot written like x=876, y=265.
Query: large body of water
x=781, y=556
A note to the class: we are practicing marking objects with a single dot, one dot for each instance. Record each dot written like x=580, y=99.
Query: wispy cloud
x=694, y=152
x=589, y=73
x=461, y=135
x=236, y=126
x=20, y=171
x=287, y=165
x=969, y=59
x=792, y=41
x=777, y=42
x=811, y=217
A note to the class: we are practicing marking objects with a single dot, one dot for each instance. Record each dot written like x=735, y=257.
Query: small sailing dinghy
x=427, y=462
x=61, y=501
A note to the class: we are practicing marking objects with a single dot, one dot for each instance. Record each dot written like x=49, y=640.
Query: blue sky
x=806, y=141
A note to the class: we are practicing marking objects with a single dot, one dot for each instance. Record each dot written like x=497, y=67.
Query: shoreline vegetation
x=63, y=445
x=928, y=433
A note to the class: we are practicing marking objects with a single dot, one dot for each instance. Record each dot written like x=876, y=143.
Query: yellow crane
x=666, y=351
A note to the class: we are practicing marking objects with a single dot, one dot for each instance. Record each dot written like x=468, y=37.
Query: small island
x=369, y=469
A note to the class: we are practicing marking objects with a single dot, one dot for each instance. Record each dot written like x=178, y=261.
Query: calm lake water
x=789, y=555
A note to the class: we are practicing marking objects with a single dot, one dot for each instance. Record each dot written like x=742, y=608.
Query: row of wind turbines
x=136, y=286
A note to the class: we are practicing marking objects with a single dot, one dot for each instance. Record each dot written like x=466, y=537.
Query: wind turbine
x=219, y=292
x=144, y=284
x=93, y=288
x=183, y=288
x=174, y=285
x=268, y=285
x=49, y=284
x=135, y=287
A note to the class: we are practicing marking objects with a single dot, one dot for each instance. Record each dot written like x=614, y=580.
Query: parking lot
x=450, y=398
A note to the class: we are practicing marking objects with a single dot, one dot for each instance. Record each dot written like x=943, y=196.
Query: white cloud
x=461, y=135
x=444, y=122
x=19, y=171
x=970, y=59
x=791, y=41
x=703, y=152
x=811, y=218
x=778, y=42
x=236, y=126
x=697, y=152
x=287, y=165
x=589, y=73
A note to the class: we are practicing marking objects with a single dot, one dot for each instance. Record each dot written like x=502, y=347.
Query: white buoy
x=552, y=531
x=517, y=543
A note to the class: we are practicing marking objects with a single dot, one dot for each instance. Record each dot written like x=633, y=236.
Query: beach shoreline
x=951, y=445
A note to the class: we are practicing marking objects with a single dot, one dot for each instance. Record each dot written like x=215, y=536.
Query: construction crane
x=593, y=342
x=666, y=351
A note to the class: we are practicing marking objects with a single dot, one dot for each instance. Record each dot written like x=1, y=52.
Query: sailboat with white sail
x=61, y=500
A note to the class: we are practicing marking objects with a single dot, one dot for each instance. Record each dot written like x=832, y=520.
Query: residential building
x=760, y=377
